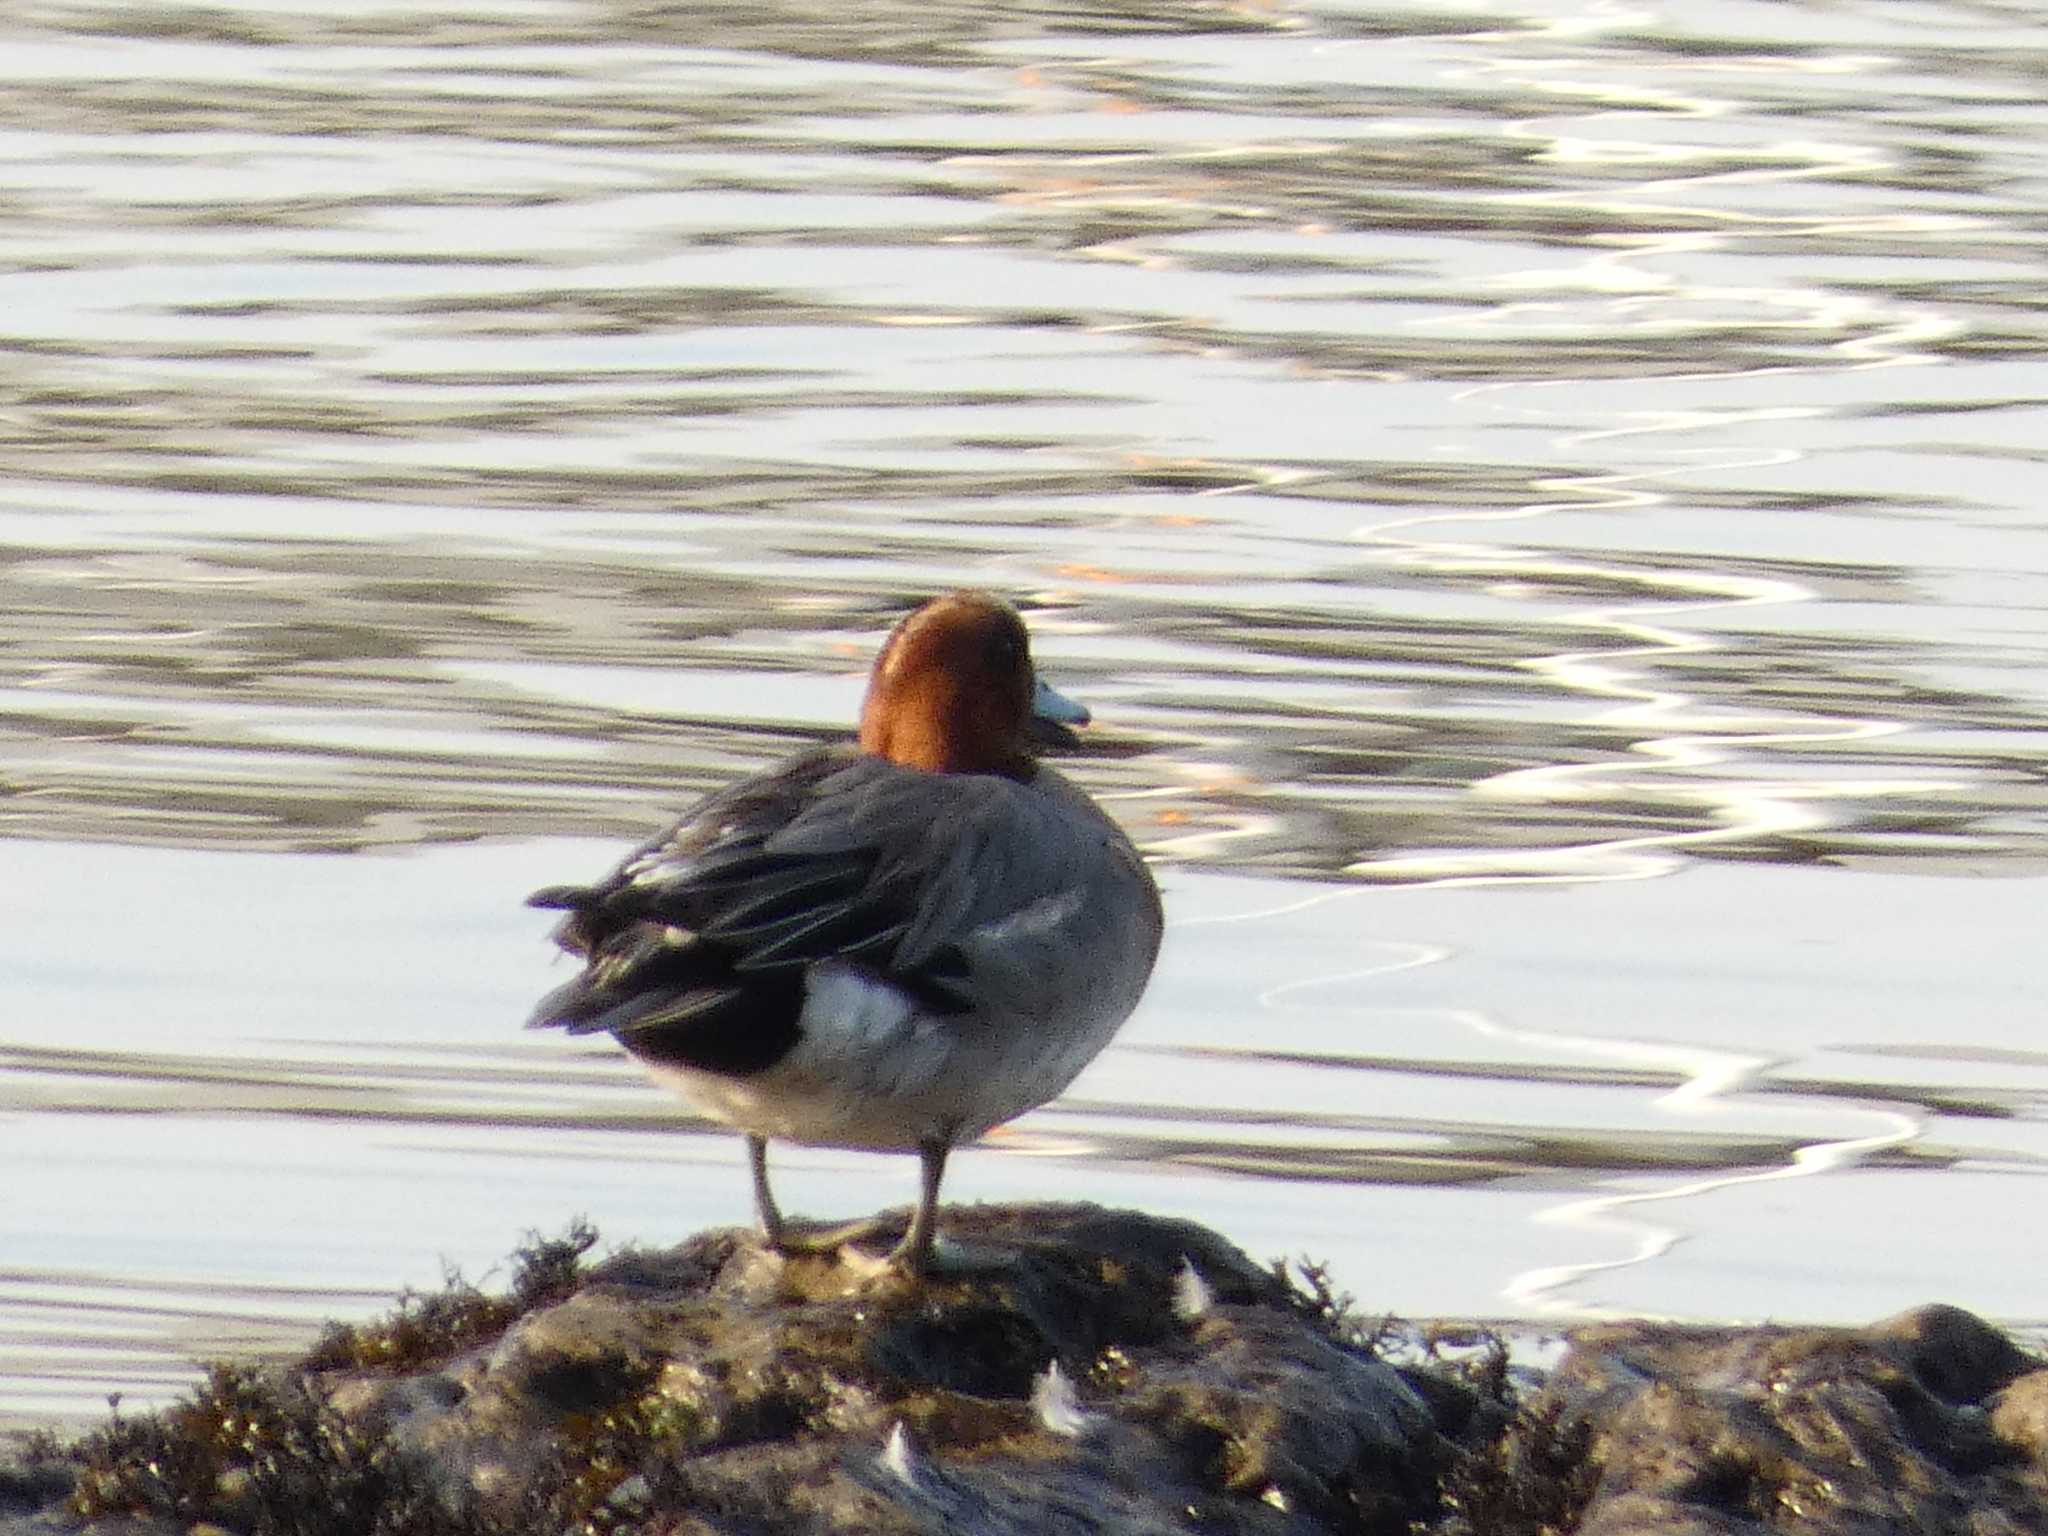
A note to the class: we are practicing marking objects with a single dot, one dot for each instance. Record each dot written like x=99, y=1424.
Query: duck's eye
x=1006, y=651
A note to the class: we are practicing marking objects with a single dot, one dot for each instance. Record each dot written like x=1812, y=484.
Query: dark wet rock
x=761, y=1394
x=1817, y=1430
x=1115, y=1373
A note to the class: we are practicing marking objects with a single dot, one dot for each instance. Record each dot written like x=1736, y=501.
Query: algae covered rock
x=1091, y=1372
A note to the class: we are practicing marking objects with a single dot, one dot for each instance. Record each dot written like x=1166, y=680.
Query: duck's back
x=1012, y=921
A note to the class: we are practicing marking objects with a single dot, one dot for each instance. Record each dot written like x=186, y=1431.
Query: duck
x=893, y=944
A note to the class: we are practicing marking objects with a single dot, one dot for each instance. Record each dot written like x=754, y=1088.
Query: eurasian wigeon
x=893, y=945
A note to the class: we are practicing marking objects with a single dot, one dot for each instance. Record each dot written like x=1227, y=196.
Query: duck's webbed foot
x=921, y=1251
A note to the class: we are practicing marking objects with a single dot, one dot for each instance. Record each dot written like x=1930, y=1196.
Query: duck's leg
x=775, y=1230
x=765, y=1208
x=914, y=1253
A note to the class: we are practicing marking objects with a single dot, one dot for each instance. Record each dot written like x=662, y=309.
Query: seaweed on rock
x=428, y=1327
x=1113, y=1374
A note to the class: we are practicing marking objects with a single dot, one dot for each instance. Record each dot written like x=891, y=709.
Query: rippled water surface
x=1541, y=498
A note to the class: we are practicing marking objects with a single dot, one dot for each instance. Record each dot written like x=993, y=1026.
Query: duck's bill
x=1053, y=716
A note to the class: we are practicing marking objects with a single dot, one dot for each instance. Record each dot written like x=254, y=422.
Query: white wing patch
x=866, y=1036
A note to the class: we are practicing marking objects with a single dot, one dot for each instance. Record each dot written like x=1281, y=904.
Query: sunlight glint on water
x=1538, y=496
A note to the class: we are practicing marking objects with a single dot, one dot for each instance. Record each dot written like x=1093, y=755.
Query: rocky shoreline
x=1101, y=1371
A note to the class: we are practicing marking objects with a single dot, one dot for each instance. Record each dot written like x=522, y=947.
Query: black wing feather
x=696, y=946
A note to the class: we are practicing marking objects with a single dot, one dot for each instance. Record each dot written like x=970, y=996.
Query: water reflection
x=309, y=698
x=484, y=1088
x=1546, y=449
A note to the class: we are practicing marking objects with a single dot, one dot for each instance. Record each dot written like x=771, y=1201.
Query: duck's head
x=954, y=692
